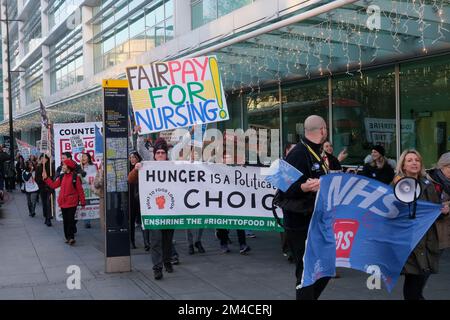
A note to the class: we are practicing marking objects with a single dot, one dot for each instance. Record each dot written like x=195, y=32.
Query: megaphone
x=408, y=190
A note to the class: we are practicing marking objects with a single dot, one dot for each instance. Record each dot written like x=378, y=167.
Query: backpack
x=299, y=206
x=74, y=178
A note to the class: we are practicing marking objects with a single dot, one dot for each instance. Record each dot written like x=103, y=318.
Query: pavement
x=34, y=260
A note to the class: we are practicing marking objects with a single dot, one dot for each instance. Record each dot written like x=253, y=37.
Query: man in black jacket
x=306, y=158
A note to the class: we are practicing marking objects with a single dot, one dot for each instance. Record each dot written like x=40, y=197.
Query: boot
x=199, y=246
x=146, y=236
x=191, y=249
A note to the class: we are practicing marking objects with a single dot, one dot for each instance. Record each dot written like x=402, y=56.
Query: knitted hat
x=160, y=144
x=379, y=149
x=72, y=165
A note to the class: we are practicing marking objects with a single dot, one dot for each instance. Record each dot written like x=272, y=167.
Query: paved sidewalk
x=34, y=259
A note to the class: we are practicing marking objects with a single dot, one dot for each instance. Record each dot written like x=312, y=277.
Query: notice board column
x=115, y=124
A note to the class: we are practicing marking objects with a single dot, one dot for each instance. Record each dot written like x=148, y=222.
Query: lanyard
x=324, y=165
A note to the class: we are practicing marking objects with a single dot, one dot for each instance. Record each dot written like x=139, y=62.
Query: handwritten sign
x=176, y=94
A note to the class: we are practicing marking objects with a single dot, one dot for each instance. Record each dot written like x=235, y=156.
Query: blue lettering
x=154, y=120
x=197, y=112
x=213, y=111
x=190, y=112
x=167, y=117
x=139, y=117
x=182, y=124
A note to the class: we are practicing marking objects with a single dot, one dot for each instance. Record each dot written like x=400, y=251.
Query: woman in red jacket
x=69, y=196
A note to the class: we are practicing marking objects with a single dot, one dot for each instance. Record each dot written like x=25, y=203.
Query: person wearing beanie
x=379, y=168
x=70, y=194
x=161, y=246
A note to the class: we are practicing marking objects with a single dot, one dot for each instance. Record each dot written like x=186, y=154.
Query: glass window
x=425, y=107
x=364, y=114
x=299, y=102
x=262, y=111
x=225, y=7
x=169, y=29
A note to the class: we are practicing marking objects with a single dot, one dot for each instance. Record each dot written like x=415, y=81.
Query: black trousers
x=222, y=234
x=46, y=208
x=132, y=220
x=297, y=240
x=69, y=222
x=10, y=183
x=413, y=286
x=161, y=247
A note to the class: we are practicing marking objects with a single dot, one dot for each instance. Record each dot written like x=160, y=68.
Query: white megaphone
x=408, y=190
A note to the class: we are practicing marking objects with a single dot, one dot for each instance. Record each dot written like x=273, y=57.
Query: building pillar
x=4, y=63
x=46, y=75
x=182, y=18
x=88, y=48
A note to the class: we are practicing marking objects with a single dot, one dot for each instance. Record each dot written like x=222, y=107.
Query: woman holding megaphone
x=424, y=260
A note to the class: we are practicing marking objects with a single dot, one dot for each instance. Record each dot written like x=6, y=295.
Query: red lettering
x=172, y=69
x=67, y=146
x=203, y=66
x=190, y=70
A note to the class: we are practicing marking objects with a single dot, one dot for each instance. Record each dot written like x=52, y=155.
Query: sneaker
x=244, y=249
x=72, y=242
x=225, y=248
x=250, y=234
x=168, y=267
x=175, y=260
x=199, y=246
x=158, y=274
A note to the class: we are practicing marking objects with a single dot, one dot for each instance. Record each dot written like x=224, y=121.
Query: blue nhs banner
x=358, y=223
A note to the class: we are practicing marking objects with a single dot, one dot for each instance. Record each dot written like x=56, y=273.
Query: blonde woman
x=424, y=260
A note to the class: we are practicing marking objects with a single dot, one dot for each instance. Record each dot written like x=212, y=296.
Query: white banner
x=85, y=132
x=185, y=195
x=381, y=131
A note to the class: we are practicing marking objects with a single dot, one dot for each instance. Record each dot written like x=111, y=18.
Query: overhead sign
x=185, y=195
x=177, y=94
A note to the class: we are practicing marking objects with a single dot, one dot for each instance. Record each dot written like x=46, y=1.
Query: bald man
x=305, y=156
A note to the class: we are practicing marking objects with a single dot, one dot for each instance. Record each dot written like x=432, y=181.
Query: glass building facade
x=374, y=79
x=129, y=29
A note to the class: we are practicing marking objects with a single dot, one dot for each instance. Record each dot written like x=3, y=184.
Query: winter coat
x=425, y=256
x=442, y=186
x=384, y=174
x=42, y=185
x=69, y=196
x=133, y=181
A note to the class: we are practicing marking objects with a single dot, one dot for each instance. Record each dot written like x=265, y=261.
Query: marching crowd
x=313, y=156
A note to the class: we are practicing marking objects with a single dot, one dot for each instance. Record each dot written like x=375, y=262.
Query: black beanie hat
x=380, y=149
x=160, y=143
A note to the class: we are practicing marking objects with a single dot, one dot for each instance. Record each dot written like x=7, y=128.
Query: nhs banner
x=281, y=174
x=358, y=223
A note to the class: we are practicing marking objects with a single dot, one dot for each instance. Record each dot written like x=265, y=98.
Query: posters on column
x=78, y=138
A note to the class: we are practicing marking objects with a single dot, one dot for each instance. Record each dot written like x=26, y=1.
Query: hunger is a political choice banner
x=177, y=94
x=359, y=224
x=192, y=195
x=78, y=138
